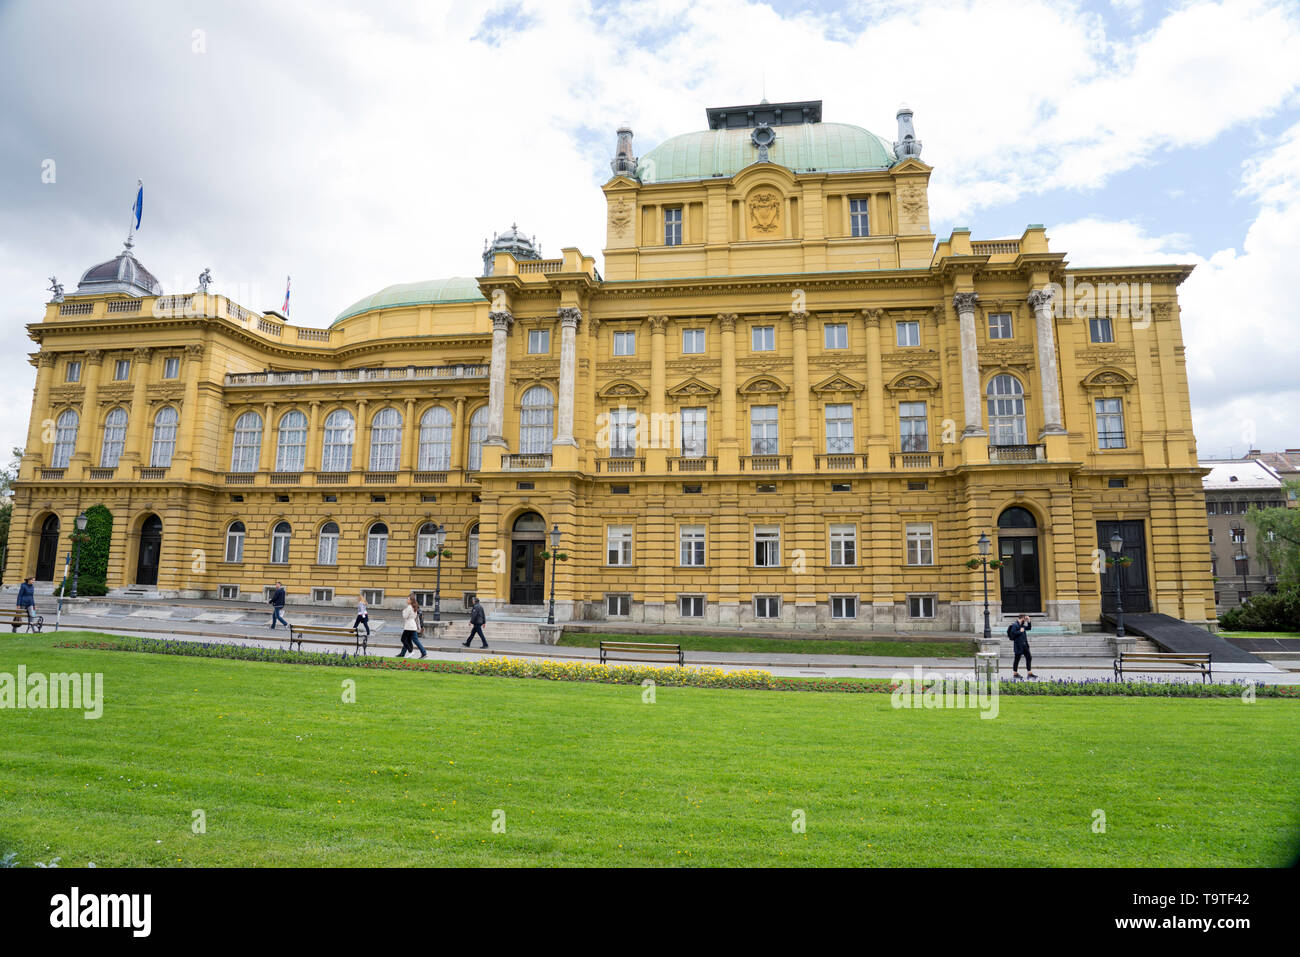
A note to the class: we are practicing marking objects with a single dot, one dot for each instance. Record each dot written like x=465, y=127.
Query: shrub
x=1266, y=612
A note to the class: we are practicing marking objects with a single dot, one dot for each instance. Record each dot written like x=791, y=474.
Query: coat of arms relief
x=620, y=218
x=765, y=212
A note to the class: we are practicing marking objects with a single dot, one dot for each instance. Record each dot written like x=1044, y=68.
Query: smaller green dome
x=426, y=293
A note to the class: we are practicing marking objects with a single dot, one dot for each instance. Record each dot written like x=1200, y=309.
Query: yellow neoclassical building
x=784, y=401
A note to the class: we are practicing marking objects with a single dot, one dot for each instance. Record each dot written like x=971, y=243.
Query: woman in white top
x=411, y=628
x=363, y=615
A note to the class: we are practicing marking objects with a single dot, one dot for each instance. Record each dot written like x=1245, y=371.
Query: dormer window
x=859, y=224
x=673, y=226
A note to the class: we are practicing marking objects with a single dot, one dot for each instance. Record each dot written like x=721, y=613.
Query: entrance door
x=47, y=553
x=146, y=567
x=526, y=573
x=1132, y=578
x=1020, y=589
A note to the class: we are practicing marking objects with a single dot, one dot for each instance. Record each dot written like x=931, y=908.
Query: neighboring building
x=1232, y=488
x=784, y=402
x=1286, y=465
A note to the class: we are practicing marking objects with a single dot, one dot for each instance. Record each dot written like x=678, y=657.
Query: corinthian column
x=569, y=319
x=802, y=447
x=728, y=448
x=496, y=423
x=1041, y=302
x=89, y=427
x=964, y=303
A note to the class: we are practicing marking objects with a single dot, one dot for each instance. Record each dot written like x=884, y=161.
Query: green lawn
x=794, y=646
x=1260, y=634
x=587, y=774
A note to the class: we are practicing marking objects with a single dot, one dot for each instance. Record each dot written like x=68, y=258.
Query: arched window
x=327, y=548
x=424, y=545
x=377, y=544
x=65, y=439
x=164, y=437
x=114, y=438
x=471, y=548
x=280, y=543
x=477, y=433
x=435, y=440
x=291, y=443
x=536, y=425
x=246, y=449
x=235, y=542
x=1006, y=411
x=1017, y=517
x=386, y=440
x=336, y=452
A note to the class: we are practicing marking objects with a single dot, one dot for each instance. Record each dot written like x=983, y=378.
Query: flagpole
x=130, y=233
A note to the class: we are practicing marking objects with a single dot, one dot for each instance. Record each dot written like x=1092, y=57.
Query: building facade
x=1232, y=488
x=783, y=402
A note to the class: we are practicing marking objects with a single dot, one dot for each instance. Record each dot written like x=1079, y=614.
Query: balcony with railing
x=526, y=462
x=1017, y=453
x=692, y=463
x=915, y=460
x=150, y=473
x=365, y=374
x=621, y=463
x=764, y=463
x=841, y=461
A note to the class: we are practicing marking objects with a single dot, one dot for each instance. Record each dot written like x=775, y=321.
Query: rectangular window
x=844, y=606
x=762, y=339
x=692, y=545
x=122, y=370
x=690, y=606
x=1243, y=565
x=230, y=592
x=1110, y=423
x=859, y=224
x=673, y=226
x=920, y=543
x=844, y=545
x=622, y=433
x=171, y=367
x=1100, y=330
x=920, y=606
x=767, y=546
x=539, y=342
x=692, y=342
x=999, y=326
x=73, y=373
x=618, y=545
x=909, y=333
x=913, y=429
x=1239, y=535
x=618, y=606
x=423, y=598
x=767, y=606
x=321, y=595
x=1211, y=536
x=695, y=432
x=837, y=335
x=625, y=343
x=839, y=429
x=763, y=431
x=1211, y=508
x=373, y=597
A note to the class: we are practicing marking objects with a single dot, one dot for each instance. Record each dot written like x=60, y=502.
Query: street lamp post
x=439, y=536
x=984, y=545
x=555, y=546
x=1116, y=547
x=80, y=522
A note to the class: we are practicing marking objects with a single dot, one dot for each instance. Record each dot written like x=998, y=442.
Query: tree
x=1277, y=537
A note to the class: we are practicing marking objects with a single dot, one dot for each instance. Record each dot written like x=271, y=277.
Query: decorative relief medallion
x=911, y=201
x=620, y=219
x=765, y=212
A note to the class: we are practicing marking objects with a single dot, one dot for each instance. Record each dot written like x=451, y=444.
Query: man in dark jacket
x=477, y=618
x=26, y=601
x=1019, y=635
x=277, y=606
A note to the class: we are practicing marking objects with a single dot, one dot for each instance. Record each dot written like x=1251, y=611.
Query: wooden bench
x=33, y=623
x=640, y=648
x=328, y=635
x=1180, y=662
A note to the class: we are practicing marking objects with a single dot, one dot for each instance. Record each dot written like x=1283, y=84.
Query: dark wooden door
x=1133, y=578
x=47, y=552
x=1020, y=581
x=527, y=569
x=146, y=567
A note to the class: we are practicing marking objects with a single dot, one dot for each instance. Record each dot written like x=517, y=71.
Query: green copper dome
x=454, y=289
x=803, y=147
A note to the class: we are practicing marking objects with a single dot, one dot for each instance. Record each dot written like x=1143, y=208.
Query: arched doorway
x=146, y=566
x=527, y=567
x=47, y=551
x=1018, y=552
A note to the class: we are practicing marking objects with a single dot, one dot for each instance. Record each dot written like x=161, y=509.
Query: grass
x=286, y=773
x=786, y=646
x=1260, y=634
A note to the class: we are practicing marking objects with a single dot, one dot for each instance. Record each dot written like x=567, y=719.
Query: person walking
x=477, y=618
x=26, y=602
x=276, y=602
x=1018, y=632
x=412, y=625
x=363, y=615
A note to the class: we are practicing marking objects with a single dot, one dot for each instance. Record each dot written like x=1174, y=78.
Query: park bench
x=328, y=635
x=21, y=620
x=640, y=648
x=1173, y=661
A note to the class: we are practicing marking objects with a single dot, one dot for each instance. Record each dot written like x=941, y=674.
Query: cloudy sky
x=355, y=145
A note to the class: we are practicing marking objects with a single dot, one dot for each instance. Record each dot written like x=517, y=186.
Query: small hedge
x=1266, y=612
x=668, y=676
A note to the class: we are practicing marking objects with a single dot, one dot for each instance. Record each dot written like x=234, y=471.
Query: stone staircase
x=1052, y=639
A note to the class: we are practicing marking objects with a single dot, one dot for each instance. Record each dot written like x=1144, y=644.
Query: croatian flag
x=138, y=208
x=285, y=310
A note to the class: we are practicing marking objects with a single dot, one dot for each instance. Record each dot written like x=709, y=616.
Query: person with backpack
x=26, y=602
x=477, y=618
x=1018, y=632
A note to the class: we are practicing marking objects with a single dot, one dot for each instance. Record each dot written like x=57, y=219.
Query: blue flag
x=138, y=208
